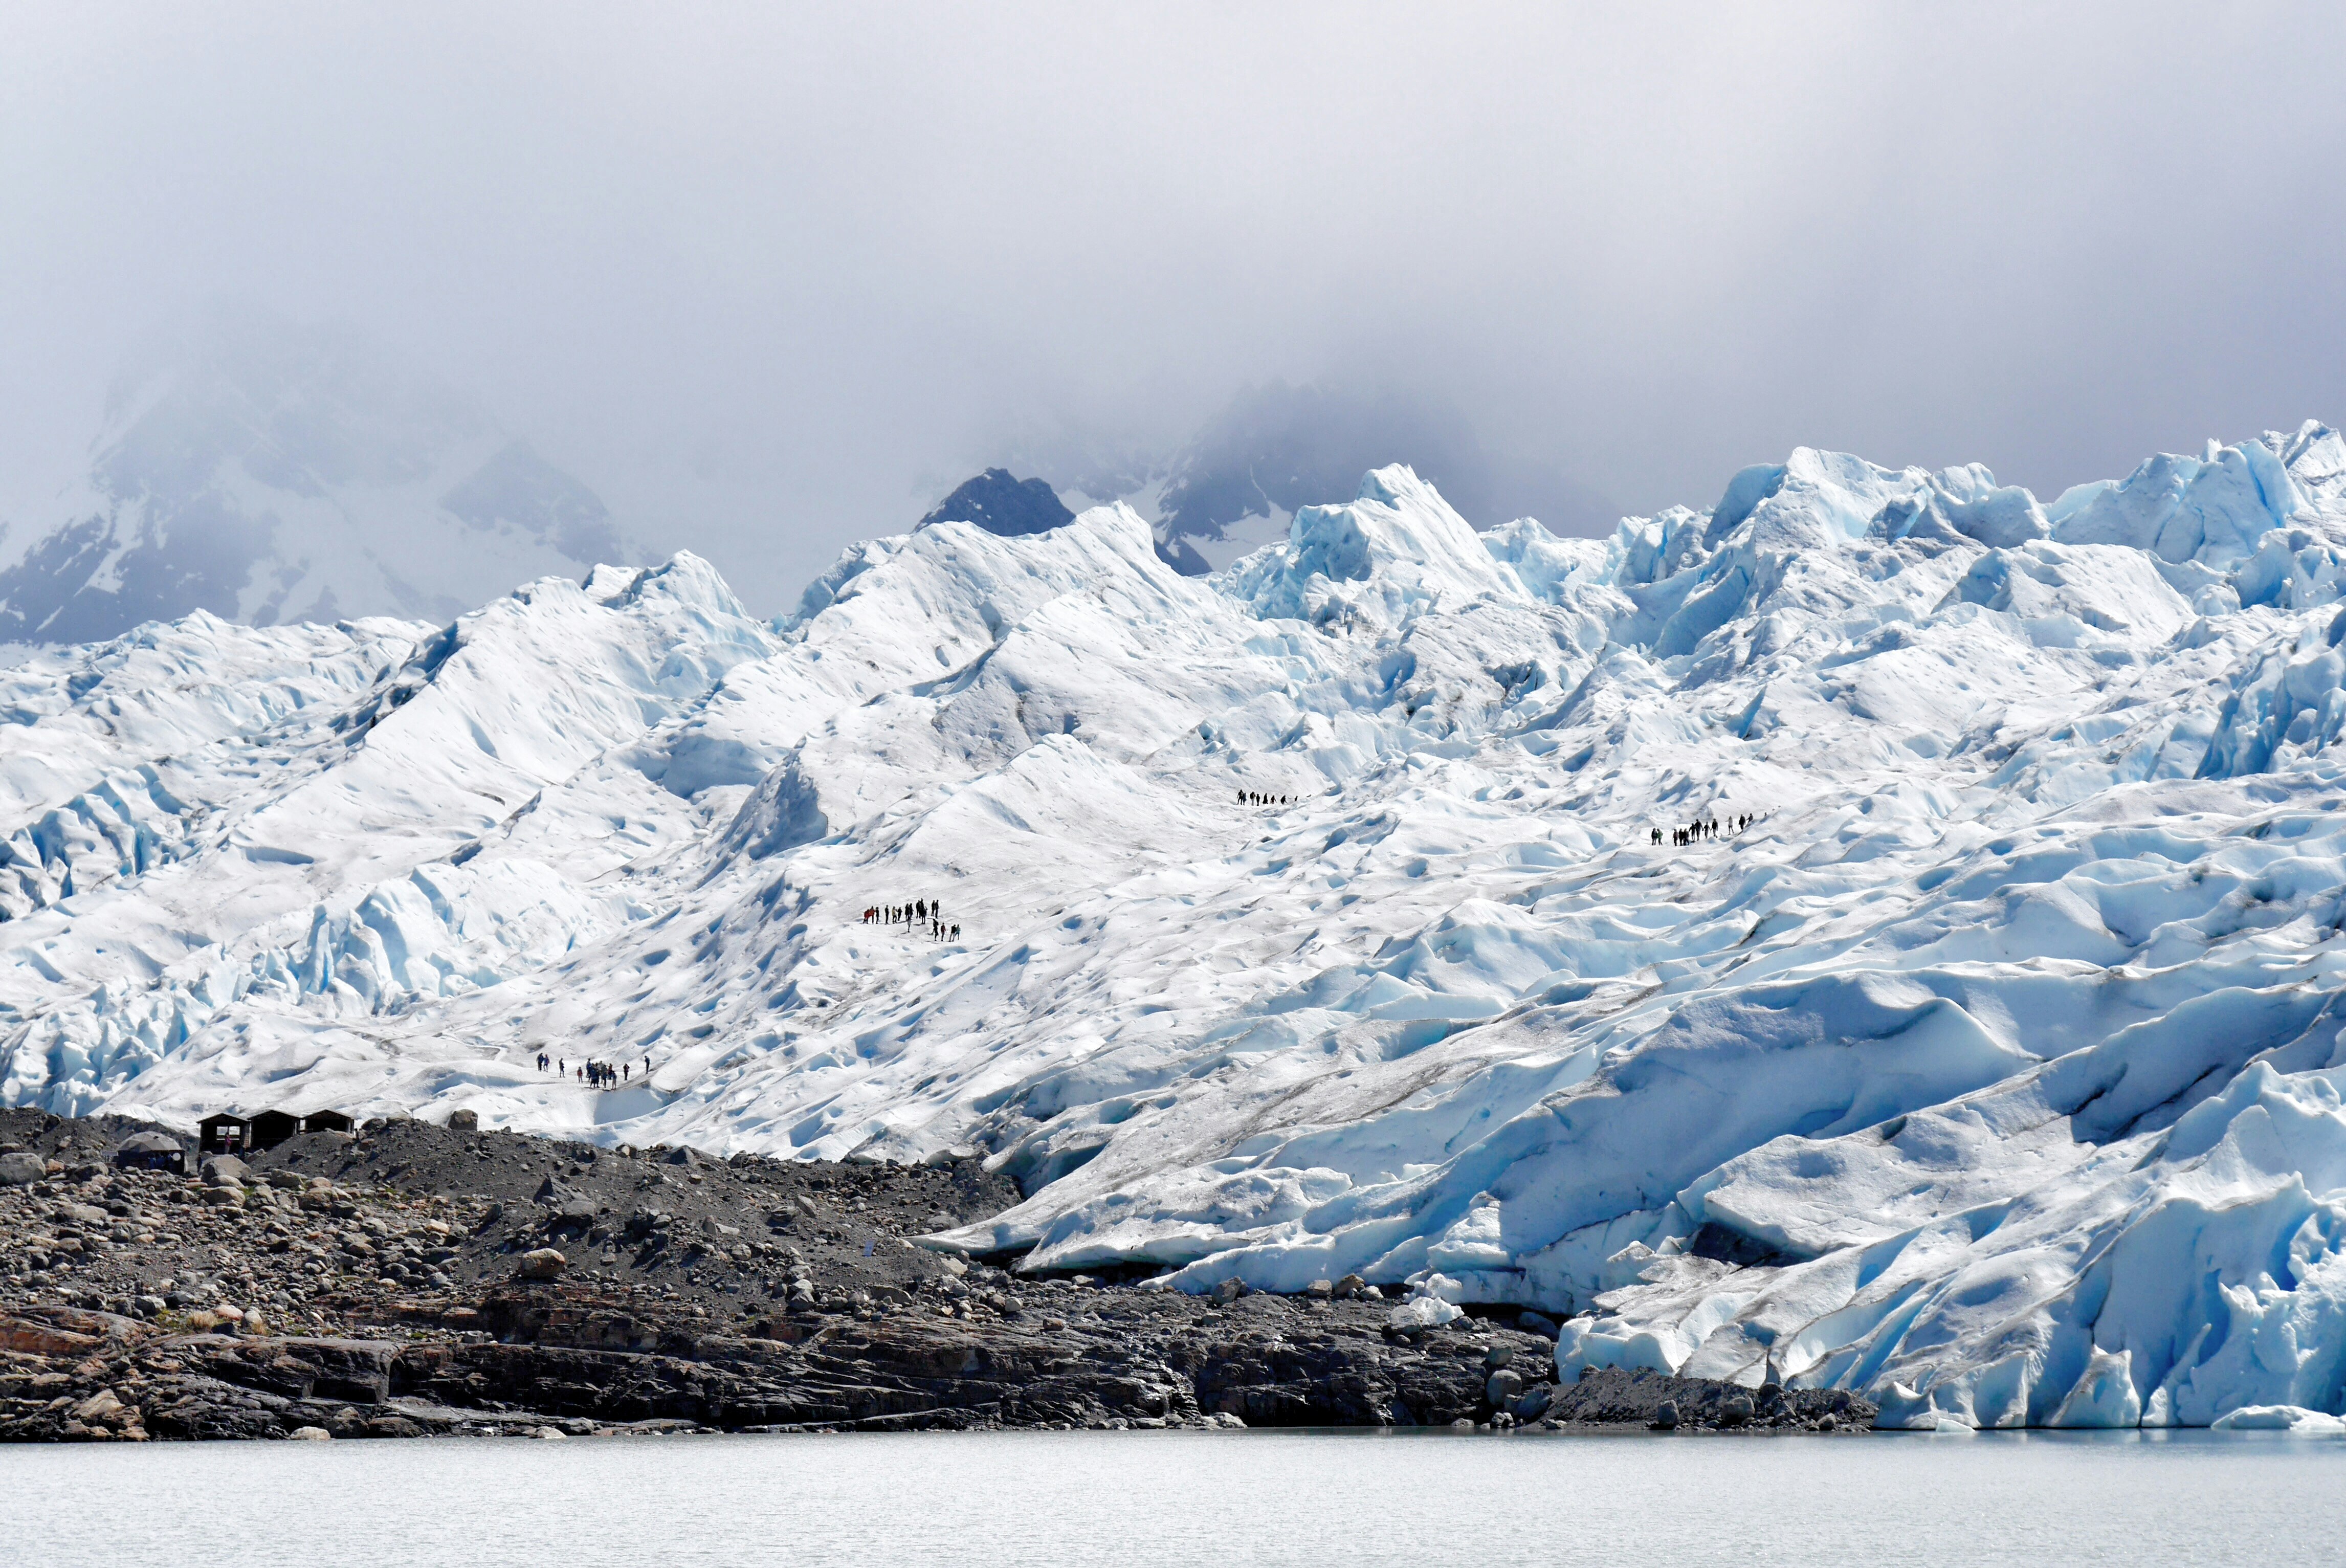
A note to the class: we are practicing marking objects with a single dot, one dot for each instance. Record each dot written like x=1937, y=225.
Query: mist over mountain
x=268, y=471
x=1277, y=448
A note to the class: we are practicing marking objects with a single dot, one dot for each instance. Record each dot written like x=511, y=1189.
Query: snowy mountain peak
x=266, y=471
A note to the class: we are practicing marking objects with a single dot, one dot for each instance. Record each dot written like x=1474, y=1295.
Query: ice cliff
x=1994, y=1071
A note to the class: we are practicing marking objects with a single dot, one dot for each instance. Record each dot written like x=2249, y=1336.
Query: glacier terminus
x=1335, y=912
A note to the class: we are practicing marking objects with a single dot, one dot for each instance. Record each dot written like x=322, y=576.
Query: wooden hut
x=326, y=1122
x=224, y=1133
x=271, y=1128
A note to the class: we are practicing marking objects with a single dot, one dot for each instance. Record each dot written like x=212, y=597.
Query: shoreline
x=412, y=1280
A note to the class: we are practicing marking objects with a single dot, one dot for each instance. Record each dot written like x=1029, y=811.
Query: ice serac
x=1878, y=932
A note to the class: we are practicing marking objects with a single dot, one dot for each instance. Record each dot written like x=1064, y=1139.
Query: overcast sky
x=771, y=277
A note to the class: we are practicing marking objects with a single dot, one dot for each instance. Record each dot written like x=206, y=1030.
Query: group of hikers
x=1257, y=798
x=1709, y=828
x=920, y=912
x=601, y=1074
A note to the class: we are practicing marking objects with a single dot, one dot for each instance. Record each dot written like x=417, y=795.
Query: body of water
x=1041, y=1499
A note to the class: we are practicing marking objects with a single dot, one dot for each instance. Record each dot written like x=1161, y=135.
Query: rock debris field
x=415, y=1280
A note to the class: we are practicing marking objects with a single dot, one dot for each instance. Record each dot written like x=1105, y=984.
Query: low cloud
x=771, y=280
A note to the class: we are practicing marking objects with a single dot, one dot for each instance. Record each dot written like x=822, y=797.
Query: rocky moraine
x=417, y=1281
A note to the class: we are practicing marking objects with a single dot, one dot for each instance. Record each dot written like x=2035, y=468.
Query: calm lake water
x=1038, y=1499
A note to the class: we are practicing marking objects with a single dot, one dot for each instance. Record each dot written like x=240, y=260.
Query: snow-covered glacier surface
x=1994, y=1070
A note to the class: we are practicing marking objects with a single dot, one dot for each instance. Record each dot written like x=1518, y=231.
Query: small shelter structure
x=152, y=1151
x=271, y=1128
x=326, y=1121
x=224, y=1133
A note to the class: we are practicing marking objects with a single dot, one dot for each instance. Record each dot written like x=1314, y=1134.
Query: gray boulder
x=226, y=1170
x=1501, y=1388
x=1666, y=1415
x=566, y=1201
x=21, y=1169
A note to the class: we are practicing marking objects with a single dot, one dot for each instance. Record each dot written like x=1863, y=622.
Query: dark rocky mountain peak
x=1001, y=504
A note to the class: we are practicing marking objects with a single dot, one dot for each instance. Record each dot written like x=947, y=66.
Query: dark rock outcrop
x=1001, y=504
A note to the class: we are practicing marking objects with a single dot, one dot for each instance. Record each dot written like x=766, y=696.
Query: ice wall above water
x=1311, y=917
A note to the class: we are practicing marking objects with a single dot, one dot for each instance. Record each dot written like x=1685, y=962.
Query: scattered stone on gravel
x=377, y=1286
x=1617, y=1396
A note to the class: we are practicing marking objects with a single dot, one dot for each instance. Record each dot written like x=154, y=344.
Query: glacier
x=1329, y=913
